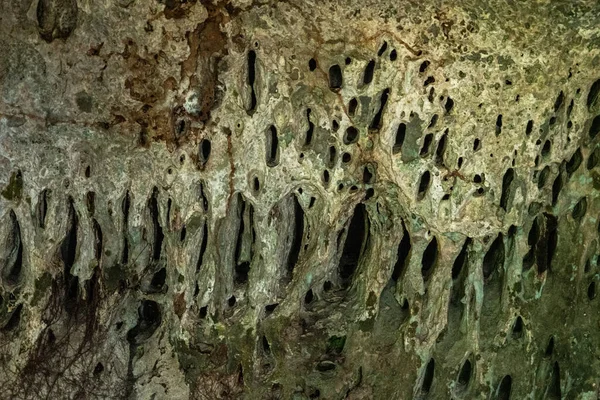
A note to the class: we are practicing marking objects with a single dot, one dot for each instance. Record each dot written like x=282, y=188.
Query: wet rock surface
x=337, y=200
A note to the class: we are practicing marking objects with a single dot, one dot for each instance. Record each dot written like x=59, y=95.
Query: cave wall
x=298, y=199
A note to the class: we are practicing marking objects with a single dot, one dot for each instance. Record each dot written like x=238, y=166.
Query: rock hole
x=272, y=147
x=298, y=234
x=593, y=95
x=90, y=199
x=97, y=239
x=529, y=127
x=441, y=148
x=424, y=66
x=505, y=388
x=556, y=188
x=428, y=378
x=325, y=177
x=355, y=244
x=499, y=124
x=593, y=159
x=574, y=163
x=351, y=135
x=476, y=145
x=591, y=290
x=158, y=280
x=399, y=139
x=252, y=79
x=377, y=119
x=269, y=308
x=517, y=330
x=311, y=128
x=423, y=185
x=68, y=252
x=157, y=230
x=346, y=158
x=13, y=263
x=335, y=77
x=149, y=319
x=367, y=175
x=332, y=155
x=570, y=108
x=42, y=207
x=244, y=247
x=368, y=74
x=256, y=184
x=98, y=369
x=546, y=148
x=546, y=247
x=507, y=181
x=231, y=301
x=459, y=162
x=88, y=171
x=433, y=121
x=393, y=55
x=449, y=105
x=183, y=233
x=579, y=210
x=461, y=259
x=429, y=81
x=494, y=258
x=125, y=204
x=464, y=376
x=429, y=258
x=203, y=197
x=559, y=101
x=382, y=49
x=426, y=145
x=203, y=312
x=312, y=64
x=402, y=254
x=204, y=153
x=308, y=298
x=352, y=105
x=595, y=127
x=554, y=391
x=348, y=60
x=266, y=346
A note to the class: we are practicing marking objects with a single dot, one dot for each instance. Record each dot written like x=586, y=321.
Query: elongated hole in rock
x=158, y=235
x=557, y=187
x=14, y=260
x=382, y=49
x=368, y=74
x=42, y=208
x=559, y=101
x=494, y=257
x=593, y=95
x=499, y=124
x=335, y=77
x=547, y=246
x=203, y=245
x=308, y=298
x=426, y=145
x=517, y=330
x=158, y=280
x=505, y=388
x=423, y=66
x=423, y=185
x=529, y=127
x=298, y=234
x=332, y=157
x=429, y=258
x=543, y=177
x=377, y=119
x=595, y=127
x=593, y=159
x=68, y=251
x=272, y=147
x=461, y=259
x=125, y=204
x=311, y=128
x=464, y=376
x=428, y=377
x=546, y=148
x=449, y=104
x=252, y=79
x=402, y=254
x=245, y=241
x=204, y=153
x=554, y=390
x=579, y=210
x=441, y=148
x=399, y=139
x=354, y=245
x=97, y=239
x=352, y=105
x=312, y=64
x=507, y=181
x=591, y=290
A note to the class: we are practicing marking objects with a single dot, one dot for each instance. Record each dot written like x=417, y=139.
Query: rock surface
x=299, y=199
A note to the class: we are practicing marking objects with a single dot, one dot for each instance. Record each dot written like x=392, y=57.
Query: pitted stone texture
x=299, y=199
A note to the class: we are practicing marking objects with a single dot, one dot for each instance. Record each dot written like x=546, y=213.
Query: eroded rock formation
x=299, y=199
